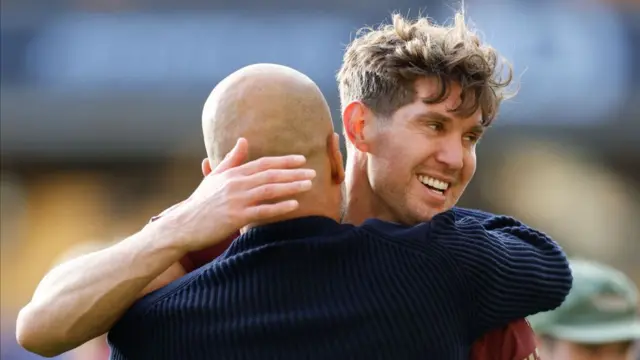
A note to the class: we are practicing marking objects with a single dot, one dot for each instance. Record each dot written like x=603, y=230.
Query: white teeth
x=428, y=180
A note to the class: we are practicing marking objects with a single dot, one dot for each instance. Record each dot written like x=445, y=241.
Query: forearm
x=530, y=269
x=83, y=298
x=518, y=280
x=512, y=270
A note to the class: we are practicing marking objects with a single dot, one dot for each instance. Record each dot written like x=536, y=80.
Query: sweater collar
x=299, y=228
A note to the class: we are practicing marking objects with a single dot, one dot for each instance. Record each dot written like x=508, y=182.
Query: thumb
x=236, y=157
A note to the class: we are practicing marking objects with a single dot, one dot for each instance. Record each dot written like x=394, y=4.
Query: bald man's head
x=279, y=111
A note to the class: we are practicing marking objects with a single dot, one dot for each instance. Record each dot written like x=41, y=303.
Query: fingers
x=268, y=211
x=277, y=176
x=273, y=191
x=236, y=157
x=267, y=163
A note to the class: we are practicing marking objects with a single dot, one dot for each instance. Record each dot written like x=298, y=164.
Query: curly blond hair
x=381, y=65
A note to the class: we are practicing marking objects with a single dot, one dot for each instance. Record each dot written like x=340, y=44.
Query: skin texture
x=386, y=156
x=279, y=111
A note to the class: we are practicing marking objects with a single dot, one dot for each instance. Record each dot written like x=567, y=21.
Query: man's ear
x=355, y=118
x=234, y=158
x=335, y=157
x=206, y=167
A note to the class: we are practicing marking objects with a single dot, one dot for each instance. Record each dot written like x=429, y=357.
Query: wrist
x=164, y=233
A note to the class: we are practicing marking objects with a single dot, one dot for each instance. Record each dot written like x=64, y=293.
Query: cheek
x=397, y=163
x=398, y=154
x=379, y=169
x=389, y=173
x=469, y=166
x=389, y=154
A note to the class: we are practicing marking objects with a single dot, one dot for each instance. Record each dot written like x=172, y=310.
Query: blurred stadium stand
x=100, y=114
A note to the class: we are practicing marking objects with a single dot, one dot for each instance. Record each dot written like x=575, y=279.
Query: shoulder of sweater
x=489, y=222
x=415, y=239
x=472, y=231
x=487, y=219
x=456, y=229
x=461, y=224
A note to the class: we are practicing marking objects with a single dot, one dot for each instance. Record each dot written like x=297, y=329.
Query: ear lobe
x=353, y=120
x=335, y=156
x=206, y=167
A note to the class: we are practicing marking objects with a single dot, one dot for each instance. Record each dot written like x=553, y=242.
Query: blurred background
x=101, y=101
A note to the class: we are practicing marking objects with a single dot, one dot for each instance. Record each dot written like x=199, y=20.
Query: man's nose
x=451, y=153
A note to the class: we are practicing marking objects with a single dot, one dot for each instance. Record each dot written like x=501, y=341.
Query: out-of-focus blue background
x=101, y=101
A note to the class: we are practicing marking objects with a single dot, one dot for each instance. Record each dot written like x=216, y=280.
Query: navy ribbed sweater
x=311, y=288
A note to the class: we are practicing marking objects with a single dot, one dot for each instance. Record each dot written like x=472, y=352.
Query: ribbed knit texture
x=311, y=288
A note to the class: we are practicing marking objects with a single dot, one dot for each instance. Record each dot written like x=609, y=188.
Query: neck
x=322, y=200
x=360, y=197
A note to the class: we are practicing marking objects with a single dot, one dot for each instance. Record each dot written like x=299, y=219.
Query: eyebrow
x=433, y=115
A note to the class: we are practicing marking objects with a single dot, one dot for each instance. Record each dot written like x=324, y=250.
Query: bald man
x=81, y=299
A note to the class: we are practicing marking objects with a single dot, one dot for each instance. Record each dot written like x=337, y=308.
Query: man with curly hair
x=416, y=99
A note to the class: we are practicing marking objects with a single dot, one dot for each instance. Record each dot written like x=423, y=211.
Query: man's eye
x=472, y=138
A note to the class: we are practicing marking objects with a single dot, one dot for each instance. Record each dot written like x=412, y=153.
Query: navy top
x=312, y=288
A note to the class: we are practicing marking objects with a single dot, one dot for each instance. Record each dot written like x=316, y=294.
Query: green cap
x=602, y=307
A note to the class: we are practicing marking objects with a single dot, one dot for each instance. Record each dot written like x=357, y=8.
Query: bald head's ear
x=206, y=167
x=335, y=157
x=354, y=120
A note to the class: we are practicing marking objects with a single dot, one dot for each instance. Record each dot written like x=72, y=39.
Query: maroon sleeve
x=194, y=260
x=515, y=341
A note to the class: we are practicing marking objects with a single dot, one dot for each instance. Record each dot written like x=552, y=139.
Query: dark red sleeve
x=515, y=341
x=196, y=259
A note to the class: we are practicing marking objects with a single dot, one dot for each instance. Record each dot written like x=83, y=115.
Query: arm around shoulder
x=513, y=270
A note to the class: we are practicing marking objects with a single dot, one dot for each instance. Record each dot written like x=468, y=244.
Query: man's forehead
x=430, y=86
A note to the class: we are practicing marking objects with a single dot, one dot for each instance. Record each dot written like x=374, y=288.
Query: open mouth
x=433, y=184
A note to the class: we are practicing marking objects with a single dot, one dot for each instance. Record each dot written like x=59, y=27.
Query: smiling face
x=411, y=140
x=420, y=160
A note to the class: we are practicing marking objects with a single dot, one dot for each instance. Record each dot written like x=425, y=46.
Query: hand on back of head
x=237, y=193
x=270, y=121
